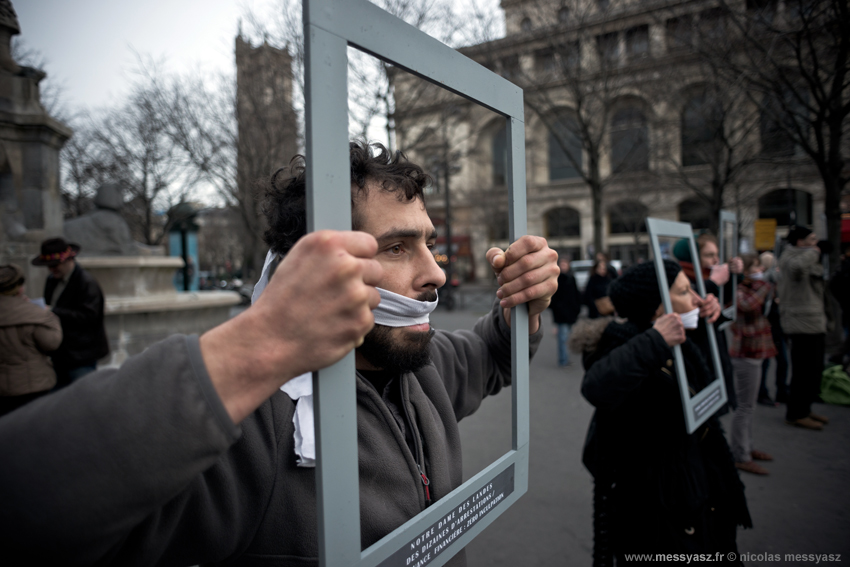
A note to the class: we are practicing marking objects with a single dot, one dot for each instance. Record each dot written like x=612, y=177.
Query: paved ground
x=803, y=507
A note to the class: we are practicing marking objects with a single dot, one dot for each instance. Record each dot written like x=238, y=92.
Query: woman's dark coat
x=597, y=287
x=658, y=489
x=566, y=303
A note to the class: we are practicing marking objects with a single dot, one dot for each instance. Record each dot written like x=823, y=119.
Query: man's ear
x=658, y=312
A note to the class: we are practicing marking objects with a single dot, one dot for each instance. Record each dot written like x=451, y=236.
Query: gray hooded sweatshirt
x=143, y=466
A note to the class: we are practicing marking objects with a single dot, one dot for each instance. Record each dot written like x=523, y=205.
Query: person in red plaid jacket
x=752, y=342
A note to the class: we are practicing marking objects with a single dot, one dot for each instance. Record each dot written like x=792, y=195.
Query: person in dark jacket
x=658, y=489
x=597, y=288
x=76, y=298
x=565, y=306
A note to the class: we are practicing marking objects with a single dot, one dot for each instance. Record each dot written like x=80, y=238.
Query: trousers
x=807, y=353
x=563, y=337
x=747, y=380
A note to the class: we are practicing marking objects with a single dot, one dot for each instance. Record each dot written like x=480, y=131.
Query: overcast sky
x=90, y=46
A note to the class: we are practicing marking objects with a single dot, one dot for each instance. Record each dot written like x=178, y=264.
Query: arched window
x=787, y=206
x=695, y=212
x=565, y=156
x=499, y=146
x=563, y=15
x=525, y=25
x=563, y=221
x=628, y=217
x=629, y=141
x=702, y=127
x=778, y=117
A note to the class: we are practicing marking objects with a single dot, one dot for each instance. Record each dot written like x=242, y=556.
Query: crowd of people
x=200, y=449
x=48, y=343
x=657, y=487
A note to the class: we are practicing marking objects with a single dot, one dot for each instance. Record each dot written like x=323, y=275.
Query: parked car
x=581, y=271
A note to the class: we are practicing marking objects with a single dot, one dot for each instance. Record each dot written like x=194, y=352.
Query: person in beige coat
x=803, y=318
x=27, y=333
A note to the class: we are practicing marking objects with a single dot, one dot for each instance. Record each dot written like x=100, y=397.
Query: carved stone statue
x=104, y=232
x=9, y=26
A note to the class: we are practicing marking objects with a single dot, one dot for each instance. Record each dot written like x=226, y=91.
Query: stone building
x=617, y=98
x=30, y=142
x=267, y=133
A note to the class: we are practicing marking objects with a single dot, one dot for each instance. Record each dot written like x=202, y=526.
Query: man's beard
x=400, y=351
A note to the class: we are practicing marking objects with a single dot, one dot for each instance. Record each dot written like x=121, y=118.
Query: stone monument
x=104, y=232
x=30, y=141
x=142, y=305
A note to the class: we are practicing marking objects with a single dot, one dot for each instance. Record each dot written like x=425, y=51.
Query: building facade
x=623, y=115
x=267, y=136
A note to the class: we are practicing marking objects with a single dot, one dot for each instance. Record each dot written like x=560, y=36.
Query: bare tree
x=82, y=170
x=227, y=142
x=572, y=86
x=134, y=149
x=371, y=98
x=717, y=144
x=794, y=58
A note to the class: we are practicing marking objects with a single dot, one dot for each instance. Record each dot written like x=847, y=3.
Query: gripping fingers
x=496, y=259
x=538, y=291
x=529, y=262
x=538, y=275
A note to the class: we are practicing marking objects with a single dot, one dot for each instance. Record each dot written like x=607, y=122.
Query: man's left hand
x=527, y=273
x=710, y=308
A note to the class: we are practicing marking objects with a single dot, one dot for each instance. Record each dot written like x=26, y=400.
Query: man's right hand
x=316, y=308
x=671, y=328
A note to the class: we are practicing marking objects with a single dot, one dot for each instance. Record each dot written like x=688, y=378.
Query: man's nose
x=432, y=275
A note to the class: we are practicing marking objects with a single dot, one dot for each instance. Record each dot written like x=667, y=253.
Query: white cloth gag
x=394, y=311
x=690, y=319
x=399, y=311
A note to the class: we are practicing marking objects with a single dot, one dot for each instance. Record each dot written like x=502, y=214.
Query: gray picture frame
x=702, y=405
x=330, y=27
x=730, y=312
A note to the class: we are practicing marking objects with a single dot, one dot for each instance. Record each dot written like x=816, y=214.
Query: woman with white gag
x=657, y=488
x=752, y=342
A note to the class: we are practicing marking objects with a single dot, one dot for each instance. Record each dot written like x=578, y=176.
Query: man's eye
x=395, y=249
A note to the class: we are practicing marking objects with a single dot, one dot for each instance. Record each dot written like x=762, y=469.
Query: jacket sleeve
x=614, y=377
x=48, y=335
x=90, y=468
x=798, y=266
x=477, y=363
x=90, y=309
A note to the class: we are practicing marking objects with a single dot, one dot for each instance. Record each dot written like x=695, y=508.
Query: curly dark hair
x=285, y=200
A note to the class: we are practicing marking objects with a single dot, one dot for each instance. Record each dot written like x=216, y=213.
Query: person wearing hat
x=27, y=333
x=76, y=298
x=803, y=318
x=657, y=488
